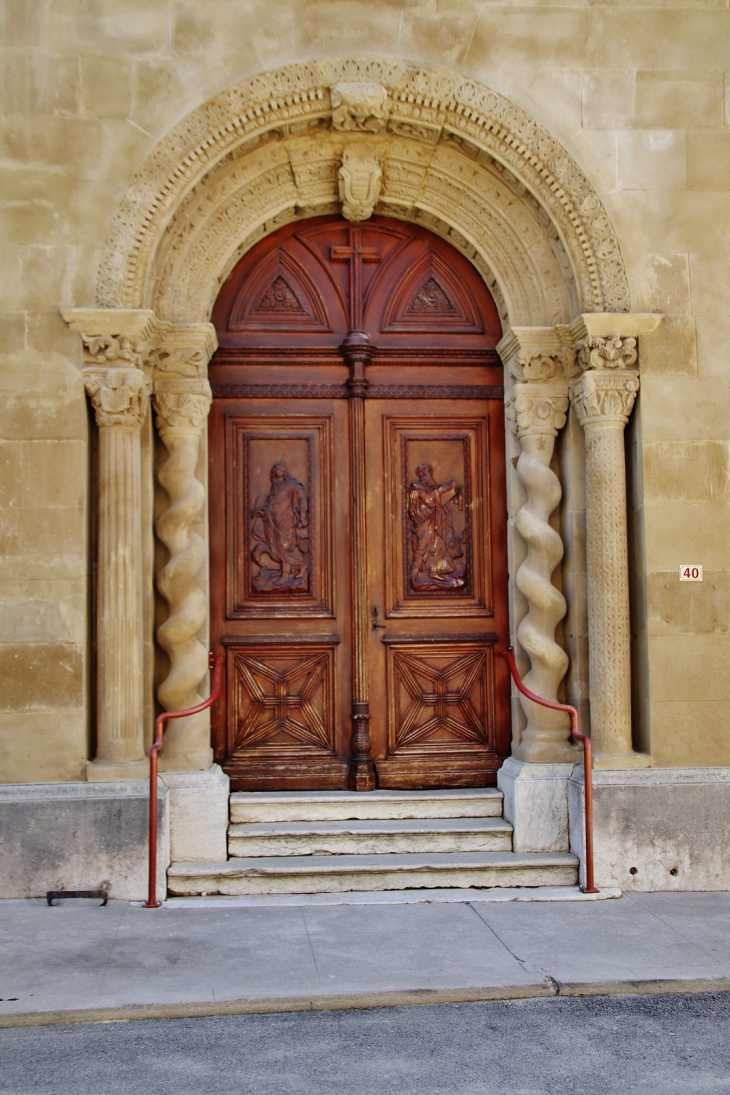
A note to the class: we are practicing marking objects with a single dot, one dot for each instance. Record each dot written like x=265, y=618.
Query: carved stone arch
x=455, y=156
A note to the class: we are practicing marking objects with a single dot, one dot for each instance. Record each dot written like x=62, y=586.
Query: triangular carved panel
x=277, y=294
x=432, y=299
x=279, y=299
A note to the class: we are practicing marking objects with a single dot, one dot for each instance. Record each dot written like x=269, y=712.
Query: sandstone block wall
x=640, y=97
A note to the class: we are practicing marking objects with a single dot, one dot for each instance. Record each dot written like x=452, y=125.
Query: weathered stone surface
x=536, y=804
x=657, y=829
x=77, y=836
x=371, y=837
x=337, y=873
x=343, y=805
x=198, y=813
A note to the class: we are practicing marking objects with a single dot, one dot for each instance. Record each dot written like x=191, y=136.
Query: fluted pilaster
x=182, y=409
x=603, y=398
x=120, y=399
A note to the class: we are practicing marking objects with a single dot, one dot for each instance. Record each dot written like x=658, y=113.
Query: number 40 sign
x=688, y=572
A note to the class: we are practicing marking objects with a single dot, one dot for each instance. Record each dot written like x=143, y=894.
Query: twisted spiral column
x=182, y=408
x=537, y=411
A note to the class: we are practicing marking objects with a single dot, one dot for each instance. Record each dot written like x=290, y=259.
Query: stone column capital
x=119, y=396
x=534, y=409
x=538, y=354
x=604, y=397
x=136, y=337
x=183, y=350
x=181, y=405
x=621, y=325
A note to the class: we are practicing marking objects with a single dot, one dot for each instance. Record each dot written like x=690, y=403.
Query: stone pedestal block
x=656, y=828
x=198, y=814
x=76, y=836
x=536, y=804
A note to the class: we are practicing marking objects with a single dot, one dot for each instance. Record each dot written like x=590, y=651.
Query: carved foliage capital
x=183, y=350
x=533, y=411
x=604, y=397
x=104, y=349
x=359, y=180
x=540, y=365
x=612, y=352
x=119, y=396
x=182, y=406
x=359, y=106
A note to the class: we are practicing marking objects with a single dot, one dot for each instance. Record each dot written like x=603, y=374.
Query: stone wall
x=637, y=95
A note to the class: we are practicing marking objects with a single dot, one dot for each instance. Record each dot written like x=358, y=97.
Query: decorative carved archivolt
x=443, y=131
x=359, y=107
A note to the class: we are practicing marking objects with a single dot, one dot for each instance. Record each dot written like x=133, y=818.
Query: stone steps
x=389, y=871
x=370, y=837
x=264, y=806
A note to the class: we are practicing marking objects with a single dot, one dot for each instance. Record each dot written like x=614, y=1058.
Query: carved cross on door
x=356, y=254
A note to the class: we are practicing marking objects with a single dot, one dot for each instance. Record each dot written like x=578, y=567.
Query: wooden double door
x=358, y=546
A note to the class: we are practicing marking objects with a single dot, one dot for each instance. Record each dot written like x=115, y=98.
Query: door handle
x=375, y=626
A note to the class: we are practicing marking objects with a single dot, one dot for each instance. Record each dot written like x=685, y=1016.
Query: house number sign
x=689, y=572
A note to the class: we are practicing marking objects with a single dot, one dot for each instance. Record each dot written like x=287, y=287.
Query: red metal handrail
x=587, y=763
x=152, y=902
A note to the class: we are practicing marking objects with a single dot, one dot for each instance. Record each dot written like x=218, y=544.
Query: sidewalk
x=81, y=963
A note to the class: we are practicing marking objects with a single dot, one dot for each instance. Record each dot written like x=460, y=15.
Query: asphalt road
x=666, y=1044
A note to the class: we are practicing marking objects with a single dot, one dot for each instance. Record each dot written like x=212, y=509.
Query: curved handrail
x=152, y=902
x=587, y=762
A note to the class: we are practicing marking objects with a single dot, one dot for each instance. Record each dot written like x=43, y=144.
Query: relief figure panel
x=279, y=484
x=436, y=547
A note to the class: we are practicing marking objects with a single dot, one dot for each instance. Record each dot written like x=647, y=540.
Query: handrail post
x=590, y=886
x=215, y=663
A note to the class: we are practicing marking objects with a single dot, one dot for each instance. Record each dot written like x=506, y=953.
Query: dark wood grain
x=351, y=355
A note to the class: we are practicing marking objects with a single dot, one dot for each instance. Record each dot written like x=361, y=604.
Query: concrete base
x=198, y=814
x=657, y=828
x=536, y=804
x=75, y=836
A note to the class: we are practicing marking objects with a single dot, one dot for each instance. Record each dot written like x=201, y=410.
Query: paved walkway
x=75, y=963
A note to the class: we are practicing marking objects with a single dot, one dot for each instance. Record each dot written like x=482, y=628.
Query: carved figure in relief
x=280, y=535
x=436, y=546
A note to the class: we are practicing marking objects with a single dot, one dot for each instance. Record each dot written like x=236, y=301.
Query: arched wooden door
x=357, y=513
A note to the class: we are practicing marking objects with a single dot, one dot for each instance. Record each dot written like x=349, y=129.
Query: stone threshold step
x=372, y=836
x=392, y=897
x=259, y=806
x=335, y=873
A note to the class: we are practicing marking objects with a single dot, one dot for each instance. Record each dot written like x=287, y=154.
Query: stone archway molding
x=454, y=154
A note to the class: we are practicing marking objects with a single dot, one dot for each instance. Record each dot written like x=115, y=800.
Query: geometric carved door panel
x=357, y=513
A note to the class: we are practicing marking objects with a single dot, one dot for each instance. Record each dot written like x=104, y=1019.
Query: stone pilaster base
x=198, y=814
x=536, y=804
x=111, y=771
x=656, y=828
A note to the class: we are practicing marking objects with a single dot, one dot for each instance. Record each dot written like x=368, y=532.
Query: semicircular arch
x=455, y=156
